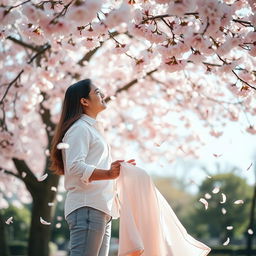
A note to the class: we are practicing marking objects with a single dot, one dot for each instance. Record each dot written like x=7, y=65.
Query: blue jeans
x=90, y=232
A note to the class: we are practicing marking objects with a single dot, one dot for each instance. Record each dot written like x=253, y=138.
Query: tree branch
x=24, y=44
x=243, y=80
x=41, y=51
x=10, y=84
x=31, y=180
x=15, y=6
x=127, y=86
x=89, y=54
x=12, y=173
x=61, y=13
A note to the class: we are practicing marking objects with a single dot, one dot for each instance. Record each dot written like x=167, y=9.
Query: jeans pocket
x=71, y=219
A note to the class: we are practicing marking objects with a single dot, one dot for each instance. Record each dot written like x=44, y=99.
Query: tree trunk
x=39, y=236
x=4, y=249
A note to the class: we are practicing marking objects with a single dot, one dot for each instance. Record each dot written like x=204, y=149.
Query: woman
x=80, y=153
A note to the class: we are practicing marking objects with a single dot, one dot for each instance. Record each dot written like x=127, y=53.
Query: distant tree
x=178, y=198
x=4, y=250
x=19, y=229
x=252, y=217
x=220, y=214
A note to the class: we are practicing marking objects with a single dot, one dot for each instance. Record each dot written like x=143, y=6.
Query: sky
x=235, y=148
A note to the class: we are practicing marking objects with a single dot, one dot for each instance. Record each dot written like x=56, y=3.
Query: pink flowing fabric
x=148, y=226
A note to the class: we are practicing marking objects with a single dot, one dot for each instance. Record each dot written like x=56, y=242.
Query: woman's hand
x=131, y=161
x=115, y=169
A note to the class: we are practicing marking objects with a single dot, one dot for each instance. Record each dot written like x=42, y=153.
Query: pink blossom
x=118, y=16
x=31, y=13
x=253, y=5
x=172, y=65
x=180, y=7
x=196, y=58
x=90, y=43
x=252, y=18
x=162, y=1
x=120, y=48
x=9, y=18
x=253, y=51
x=84, y=13
x=216, y=133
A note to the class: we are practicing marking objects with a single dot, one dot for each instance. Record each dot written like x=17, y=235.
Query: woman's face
x=96, y=101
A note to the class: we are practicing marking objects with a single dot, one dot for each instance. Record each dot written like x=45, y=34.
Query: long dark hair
x=71, y=111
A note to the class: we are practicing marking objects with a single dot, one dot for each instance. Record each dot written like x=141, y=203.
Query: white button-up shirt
x=87, y=150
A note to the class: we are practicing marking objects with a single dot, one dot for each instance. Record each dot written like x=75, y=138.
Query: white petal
x=224, y=211
x=202, y=200
x=207, y=196
x=42, y=178
x=9, y=220
x=50, y=204
x=239, y=202
x=209, y=177
x=227, y=241
x=216, y=190
x=62, y=145
x=59, y=218
x=44, y=222
x=229, y=227
x=53, y=189
x=23, y=174
x=250, y=231
x=217, y=155
x=59, y=198
x=224, y=198
x=58, y=225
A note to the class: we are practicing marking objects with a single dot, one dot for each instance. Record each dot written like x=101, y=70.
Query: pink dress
x=148, y=225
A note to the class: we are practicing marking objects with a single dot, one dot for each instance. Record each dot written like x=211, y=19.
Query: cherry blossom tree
x=160, y=63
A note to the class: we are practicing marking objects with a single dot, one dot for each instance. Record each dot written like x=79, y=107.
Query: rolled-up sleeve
x=78, y=140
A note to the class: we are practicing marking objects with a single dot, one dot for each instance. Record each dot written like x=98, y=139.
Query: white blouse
x=87, y=150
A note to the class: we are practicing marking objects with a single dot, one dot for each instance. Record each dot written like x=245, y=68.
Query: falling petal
x=9, y=220
x=239, y=202
x=23, y=174
x=62, y=145
x=53, y=189
x=42, y=178
x=202, y=200
x=50, y=204
x=59, y=218
x=192, y=182
x=224, y=211
x=58, y=225
x=227, y=241
x=217, y=155
x=207, y=196
x=250, y=231
x=229, y=227
x=209, y=177
x=216, y=190
x=59, y=198
x=44, y=222
x=224, y=198
x=249, y=167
